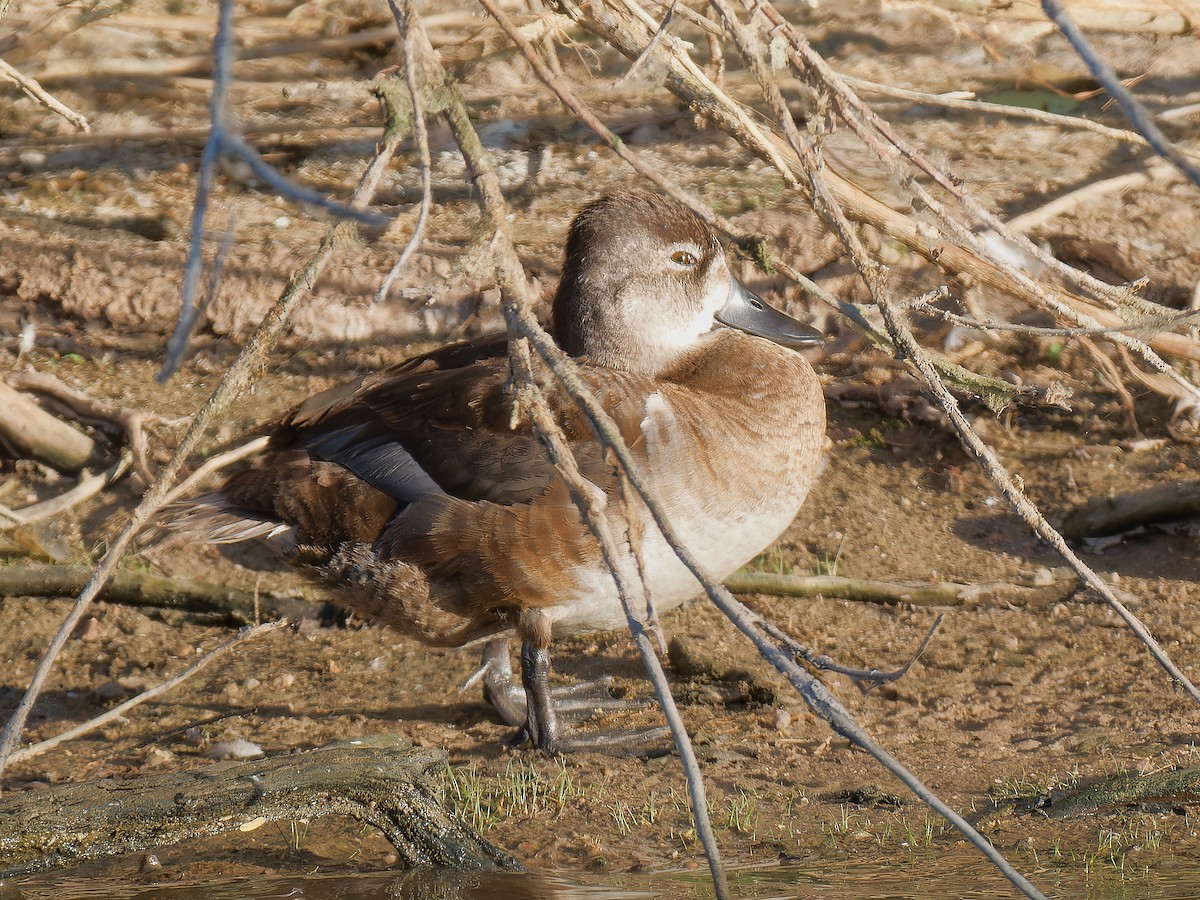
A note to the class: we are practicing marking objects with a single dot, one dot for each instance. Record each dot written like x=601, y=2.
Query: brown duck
x=415, y=497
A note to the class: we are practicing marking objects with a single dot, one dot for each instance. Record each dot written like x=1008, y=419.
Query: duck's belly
x=721, y=544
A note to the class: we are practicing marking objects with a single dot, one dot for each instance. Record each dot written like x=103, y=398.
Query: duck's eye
x=684, y=258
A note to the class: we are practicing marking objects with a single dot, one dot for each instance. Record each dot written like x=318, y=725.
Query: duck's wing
x=345, y=462
x=444, y=423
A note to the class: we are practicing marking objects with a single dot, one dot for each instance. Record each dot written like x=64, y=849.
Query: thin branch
x=215, y=464
x=865, y=680
x=421, y=133
x=88, y=486
x=205, y=178
x=815, y=694
x=654, y=41
x=31, y=87
x=246, y=633
x=225, y=139
x=1149, y=324
x=886, y=593
x=964, y=100
x=235, y=145
x=1134, y=111
x=235, y=381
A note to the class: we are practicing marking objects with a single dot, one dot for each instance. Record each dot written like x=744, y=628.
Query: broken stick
x=35, y=433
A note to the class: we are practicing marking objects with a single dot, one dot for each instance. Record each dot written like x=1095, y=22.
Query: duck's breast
x=731, y=459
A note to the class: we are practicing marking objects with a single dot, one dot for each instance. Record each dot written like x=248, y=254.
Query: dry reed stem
x=967, y=103
x=421, y=137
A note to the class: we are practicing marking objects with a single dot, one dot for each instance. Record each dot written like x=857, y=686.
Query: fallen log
x=380, y=781
x=1103, y=516
x=35, y=433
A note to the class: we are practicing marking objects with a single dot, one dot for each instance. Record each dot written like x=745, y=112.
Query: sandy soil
x=1006, y=700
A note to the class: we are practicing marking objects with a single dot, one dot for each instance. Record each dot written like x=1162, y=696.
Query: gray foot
x=539, y=711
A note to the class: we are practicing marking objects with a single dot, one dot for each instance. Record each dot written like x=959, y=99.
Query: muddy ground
x=1007, y=699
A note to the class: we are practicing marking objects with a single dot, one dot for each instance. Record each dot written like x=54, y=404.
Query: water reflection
x=951, y=875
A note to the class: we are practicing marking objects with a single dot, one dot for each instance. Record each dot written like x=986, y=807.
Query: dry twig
x=31, y=87
x=132, y=421
x=965, y=101
x=941, y=593
x=1134, y=111
x=421, y=135
x=247, y=633
x=88, y=486
x=225, y=139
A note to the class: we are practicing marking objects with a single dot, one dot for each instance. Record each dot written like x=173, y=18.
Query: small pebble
x=159, y=757
x=111, y=690
x=237, y=749
x=91, y=631
x=149, y=863
x=776, y=718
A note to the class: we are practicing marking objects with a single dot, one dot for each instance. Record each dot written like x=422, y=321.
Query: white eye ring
x=685, y=256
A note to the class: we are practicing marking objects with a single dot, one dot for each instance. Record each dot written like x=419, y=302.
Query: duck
x=426, y=503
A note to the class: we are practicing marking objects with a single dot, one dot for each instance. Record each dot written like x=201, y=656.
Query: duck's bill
x=750, y=313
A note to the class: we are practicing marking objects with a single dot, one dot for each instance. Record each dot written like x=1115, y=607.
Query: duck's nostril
x=756, y=303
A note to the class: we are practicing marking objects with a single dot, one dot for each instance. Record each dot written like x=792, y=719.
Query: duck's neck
x=600, y=334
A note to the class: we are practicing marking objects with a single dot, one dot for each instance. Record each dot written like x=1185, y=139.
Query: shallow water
x=954, y=875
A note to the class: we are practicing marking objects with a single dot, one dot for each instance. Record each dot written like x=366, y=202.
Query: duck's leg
x=541, y=723
x=545, y=708
x=507, y=695
x=500, y=689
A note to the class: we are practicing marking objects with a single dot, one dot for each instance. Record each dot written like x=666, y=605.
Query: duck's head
x=645, y=279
